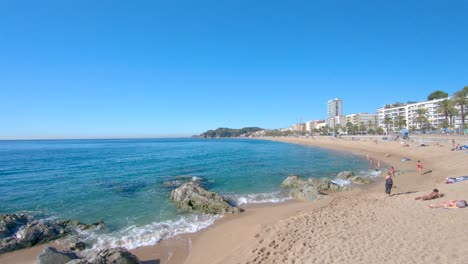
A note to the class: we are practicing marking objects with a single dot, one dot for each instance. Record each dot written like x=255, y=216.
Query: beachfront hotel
x=410, y=115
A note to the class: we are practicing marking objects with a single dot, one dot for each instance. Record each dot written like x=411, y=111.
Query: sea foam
x=256, y=198
x=134, y=236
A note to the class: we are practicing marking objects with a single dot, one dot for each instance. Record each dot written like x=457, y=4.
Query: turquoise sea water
x=121, y=181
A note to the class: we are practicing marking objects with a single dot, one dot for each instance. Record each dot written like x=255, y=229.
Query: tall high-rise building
x=334, y=112
x=335, y=108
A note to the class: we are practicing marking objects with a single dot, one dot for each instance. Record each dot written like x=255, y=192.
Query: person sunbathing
x=433, y=195
x=450, y=204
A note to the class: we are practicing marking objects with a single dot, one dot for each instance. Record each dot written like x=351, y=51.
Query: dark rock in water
x=115, y=256
x=173, y=184
x=51, y=255
x=179, y=180
x=345, y=175
x=9, y=223
x=79, y=246
x=191, y=197
x=73, y=224
x=33, y=233
x=20, y=231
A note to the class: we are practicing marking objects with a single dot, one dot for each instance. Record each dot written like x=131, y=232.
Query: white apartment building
x=357, y=119
x=409, y=112
x=314, y=124
x=335, y=112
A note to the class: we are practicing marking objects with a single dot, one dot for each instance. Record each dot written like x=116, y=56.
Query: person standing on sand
x=420, y=167
x=391, y=171
x=388, y=184
x=453, y=143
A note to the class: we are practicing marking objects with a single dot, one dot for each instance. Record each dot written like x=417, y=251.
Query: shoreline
x=238, y=235
x=403, y=221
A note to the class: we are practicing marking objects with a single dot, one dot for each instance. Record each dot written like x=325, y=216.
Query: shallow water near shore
x=123, y=181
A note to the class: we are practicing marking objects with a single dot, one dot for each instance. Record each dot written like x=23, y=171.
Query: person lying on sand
x=450, y=204
x=433, y=195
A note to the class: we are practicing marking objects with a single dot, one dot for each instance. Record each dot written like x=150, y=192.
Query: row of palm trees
x=448, y=108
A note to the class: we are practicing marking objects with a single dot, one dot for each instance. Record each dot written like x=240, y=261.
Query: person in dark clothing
x=388, y=184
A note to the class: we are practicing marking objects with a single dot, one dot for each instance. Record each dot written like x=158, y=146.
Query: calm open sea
x=122, y=181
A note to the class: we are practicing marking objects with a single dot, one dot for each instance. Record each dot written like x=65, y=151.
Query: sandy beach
x=363, y=225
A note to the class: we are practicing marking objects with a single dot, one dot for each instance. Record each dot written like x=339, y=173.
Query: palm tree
x=447, y=108
x=459, y=98
x=387, y=121
x=370, y=126
x=400, y=122
x=349, y=127
x=421, y=117
x=362, y=128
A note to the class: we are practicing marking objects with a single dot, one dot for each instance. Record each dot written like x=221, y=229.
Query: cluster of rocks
x=349, y=175
x=117, y=255
x=19, y=231
x=313, y=189
x=191, y=197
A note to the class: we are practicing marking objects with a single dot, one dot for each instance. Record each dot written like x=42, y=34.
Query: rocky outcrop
x=118, y=255
x=19, y=231
x=292, y=181
x=192, y=197
x=179, y=180
x=79, y=246
x=51, y=255
x=345, y=175
x=360, y=180
x=115, y=256
x=311, y=189
x=349, y=175
x=325, y=184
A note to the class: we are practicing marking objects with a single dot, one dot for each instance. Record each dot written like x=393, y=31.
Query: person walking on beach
x=420, y=167
x=388, y=184
x=391, y=171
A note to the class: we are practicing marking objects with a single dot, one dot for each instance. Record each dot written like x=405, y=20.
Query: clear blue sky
x=74, y=69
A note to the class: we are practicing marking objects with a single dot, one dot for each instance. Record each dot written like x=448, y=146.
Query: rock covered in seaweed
x=192, y=197
x=19, y=231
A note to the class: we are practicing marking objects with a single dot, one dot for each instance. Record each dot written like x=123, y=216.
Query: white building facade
x=335, y=113
x=410, y=115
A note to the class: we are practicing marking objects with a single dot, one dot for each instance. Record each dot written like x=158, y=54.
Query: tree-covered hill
x=230, y=132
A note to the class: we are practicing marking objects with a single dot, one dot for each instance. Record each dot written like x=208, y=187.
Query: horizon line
x=95, y=138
